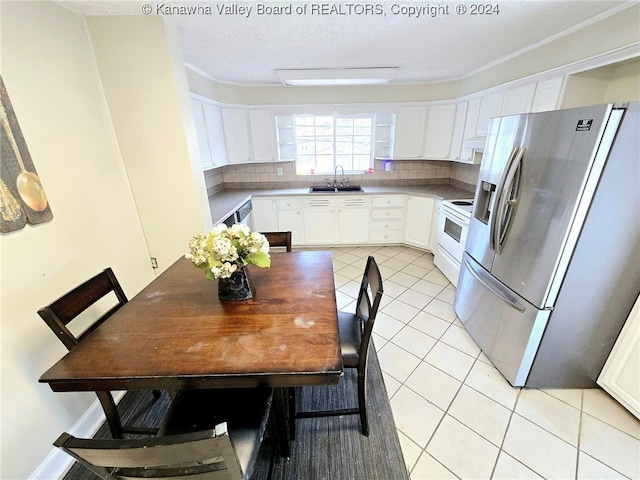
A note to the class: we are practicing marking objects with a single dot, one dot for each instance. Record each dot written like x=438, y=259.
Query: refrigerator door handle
x=494, y=222
x=509, y=301
x=507, y=199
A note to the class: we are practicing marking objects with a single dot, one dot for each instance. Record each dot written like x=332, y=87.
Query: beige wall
x=615, y=32
x=624, y=82
x=50, y=73
x=145, y=84
x=613, y=83
x=606, y=84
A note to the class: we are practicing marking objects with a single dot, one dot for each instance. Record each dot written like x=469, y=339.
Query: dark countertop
x=225, y=202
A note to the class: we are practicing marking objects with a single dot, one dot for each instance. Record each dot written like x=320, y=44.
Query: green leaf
x=259, y=259
x=209, y=275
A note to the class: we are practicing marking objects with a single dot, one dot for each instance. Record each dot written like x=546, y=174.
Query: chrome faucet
x=335, y=176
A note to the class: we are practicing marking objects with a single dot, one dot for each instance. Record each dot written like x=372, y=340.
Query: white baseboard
x=57, y=463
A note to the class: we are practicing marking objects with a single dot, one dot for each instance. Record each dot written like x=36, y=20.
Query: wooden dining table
x=176, y=334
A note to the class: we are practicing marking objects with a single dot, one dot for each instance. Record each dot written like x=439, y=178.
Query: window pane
x=324, y=141
x=324, y=163
x=344, y=147
x=306, y=147
x=324, y=147
x=304, y=131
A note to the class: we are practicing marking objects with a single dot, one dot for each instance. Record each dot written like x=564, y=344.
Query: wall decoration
x=22, y=197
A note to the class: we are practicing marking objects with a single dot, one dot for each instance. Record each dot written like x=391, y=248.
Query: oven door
x=452, y=232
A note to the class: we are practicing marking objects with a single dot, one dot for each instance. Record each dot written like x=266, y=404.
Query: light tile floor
x=457, y=417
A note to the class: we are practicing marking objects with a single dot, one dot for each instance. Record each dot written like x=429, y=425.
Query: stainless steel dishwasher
x=244, y=214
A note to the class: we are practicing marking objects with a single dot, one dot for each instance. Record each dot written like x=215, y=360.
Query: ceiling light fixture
x=336, y=76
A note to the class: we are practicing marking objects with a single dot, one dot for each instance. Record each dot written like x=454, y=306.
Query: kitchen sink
x=325, y=189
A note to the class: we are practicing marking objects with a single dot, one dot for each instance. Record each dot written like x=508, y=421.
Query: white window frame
x=335, y=116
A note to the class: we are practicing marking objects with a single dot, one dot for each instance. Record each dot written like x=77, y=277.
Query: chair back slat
x=279, y=239
x=369, y=297
x=199, y=455
x=62, y=311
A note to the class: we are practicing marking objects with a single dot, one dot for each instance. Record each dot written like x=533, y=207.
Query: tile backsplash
x=407, y=172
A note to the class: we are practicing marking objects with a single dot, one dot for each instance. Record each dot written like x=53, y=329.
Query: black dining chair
x=59, y=314
x=246, y=412
x=355, y=338
x=201, y=455
x=279, y=239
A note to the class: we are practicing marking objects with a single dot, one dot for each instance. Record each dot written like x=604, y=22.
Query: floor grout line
x=389, y=255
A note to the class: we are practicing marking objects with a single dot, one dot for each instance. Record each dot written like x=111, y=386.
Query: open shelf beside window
x=384, y=135
x=286, y=137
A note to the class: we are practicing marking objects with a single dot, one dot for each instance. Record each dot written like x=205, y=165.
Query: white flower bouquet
x=224, y=250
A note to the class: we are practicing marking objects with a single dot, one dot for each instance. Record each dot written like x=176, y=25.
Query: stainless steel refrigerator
x=551, y=266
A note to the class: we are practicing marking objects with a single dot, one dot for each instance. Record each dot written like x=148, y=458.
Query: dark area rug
x=325, y=448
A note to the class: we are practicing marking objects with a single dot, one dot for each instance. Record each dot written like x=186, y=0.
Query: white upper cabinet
x=263, y=136
x=215, y=134
x=439, y=132
x=490, y=107
x=548, y=94
x=409, y=137
x=458, y=130
x=201, y=133
x=470, y=127
x=236, y=134
x=518, y=100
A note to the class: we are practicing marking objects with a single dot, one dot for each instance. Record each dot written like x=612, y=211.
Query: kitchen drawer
x=388, y=225
x=383, y=201
x=288, y=204
x=319, y=202
x=385, y=236
x=358, y=202
x=387, y=213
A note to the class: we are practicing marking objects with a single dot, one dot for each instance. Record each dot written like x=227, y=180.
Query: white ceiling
x=247, y=50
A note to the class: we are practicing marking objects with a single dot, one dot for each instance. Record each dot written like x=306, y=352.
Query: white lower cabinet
x=418, y=221
x=387, y=216
x=621, y=373
x=319, y=221
x=290, y=218
x=433, y=235
x=265, y=217
x=349, y=219
x=353, y=220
